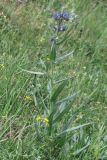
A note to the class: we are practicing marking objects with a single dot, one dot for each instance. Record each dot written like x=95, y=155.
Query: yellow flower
x=1, y=66
x=42, y=119
x=28, y=98
x=46, y=120
x=39, y=118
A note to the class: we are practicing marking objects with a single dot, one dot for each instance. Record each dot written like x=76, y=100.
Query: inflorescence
x=60, y=17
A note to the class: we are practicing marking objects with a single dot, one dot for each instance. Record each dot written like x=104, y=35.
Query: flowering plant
x=54, y=121
x=60, y=18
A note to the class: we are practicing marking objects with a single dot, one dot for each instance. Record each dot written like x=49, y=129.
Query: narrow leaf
x=65, y=79
x=58, y=91
x=69, y=98
x=64, y=57
x=35, y=73
x=80, y=150
x=66, y=109
x=53, y=51
x=73, y=128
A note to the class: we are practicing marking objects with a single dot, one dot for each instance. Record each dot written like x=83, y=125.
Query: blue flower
x=60, y=28
x=66, y=16
x=57, y=16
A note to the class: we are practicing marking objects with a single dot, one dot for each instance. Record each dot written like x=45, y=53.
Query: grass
x=25, y=33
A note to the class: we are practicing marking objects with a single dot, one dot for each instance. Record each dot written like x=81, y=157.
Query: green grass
x=25, y=33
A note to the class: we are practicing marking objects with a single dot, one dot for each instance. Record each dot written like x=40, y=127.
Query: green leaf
x=64, y=37
x=66, y=108
x=49, y=87
x=81, y=150
x=58, y=91
x=35, y=73
x=53, y=52
x=69, y=98
x=64, y=57
x=65, y=111
x=73, y=129
x=62, y=80
x=51, y=119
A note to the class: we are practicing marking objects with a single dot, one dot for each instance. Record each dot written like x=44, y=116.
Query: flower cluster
x=61, y=28
x=60, y=17
x=42, y=119
x=28, y=98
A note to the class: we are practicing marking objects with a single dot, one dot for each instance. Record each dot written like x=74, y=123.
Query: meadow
x=53, y=84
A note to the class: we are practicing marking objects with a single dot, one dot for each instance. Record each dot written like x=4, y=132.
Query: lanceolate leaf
x=62, y=80
x=35, y=73
x=81, y=150
x=66, y=109
x=73, y=129
x=69, y=98
x=65, y=37
x=53, y=52
x=58, y=91
x=64, y=57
